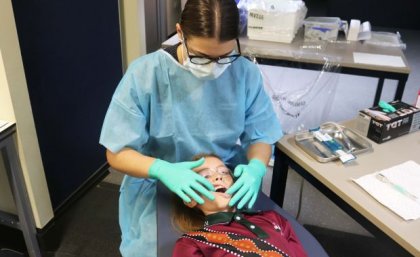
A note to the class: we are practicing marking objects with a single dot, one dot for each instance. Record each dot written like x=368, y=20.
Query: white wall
x=15, y=106
x=133, y=31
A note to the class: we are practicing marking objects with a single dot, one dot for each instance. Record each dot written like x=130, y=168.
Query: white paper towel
x=353, y=30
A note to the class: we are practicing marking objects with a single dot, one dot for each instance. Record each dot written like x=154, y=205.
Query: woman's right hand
x=182, y=180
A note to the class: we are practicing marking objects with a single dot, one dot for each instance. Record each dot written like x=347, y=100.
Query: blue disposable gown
x=162, y=110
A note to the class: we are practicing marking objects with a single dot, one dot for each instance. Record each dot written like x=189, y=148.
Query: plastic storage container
x=386, y=39
x=321, y=28
x=276, y=21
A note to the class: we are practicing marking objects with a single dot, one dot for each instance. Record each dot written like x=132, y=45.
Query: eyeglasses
x=200, y=60
x=208, y=173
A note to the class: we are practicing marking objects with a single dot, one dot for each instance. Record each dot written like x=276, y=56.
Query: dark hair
x=211, y=19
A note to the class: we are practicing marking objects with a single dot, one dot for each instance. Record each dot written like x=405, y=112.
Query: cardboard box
x=278, y=21
x=380, y=126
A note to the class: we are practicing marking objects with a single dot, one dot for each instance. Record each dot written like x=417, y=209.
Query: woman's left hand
x=247, y=187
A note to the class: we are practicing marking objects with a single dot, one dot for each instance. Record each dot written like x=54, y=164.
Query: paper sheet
x=405, y=175
x=378, y=59
x=365, y=32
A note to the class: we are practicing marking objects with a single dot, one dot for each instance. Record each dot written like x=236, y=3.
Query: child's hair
x=184, y=218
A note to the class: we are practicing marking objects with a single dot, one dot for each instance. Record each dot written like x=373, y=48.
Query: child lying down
x=214, y=229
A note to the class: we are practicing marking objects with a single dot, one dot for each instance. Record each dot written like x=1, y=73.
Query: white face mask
x=206, y=71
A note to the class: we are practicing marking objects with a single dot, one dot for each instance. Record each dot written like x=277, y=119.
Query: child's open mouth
x=221, y=190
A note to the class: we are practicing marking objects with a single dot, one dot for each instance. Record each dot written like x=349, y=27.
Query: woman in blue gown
x=199, y=95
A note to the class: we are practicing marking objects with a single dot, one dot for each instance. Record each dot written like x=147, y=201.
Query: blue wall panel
x=72, y=58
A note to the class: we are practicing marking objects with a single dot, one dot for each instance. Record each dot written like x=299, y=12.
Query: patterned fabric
x=224, y=235
x=241, y=245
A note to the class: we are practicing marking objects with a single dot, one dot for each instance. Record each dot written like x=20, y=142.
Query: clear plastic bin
x=321, y=28
x=386, y=39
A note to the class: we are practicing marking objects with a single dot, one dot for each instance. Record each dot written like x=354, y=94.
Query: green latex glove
x=182, y=180
x=247, y=187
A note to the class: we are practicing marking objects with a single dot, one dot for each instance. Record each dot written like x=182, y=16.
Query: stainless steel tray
x=307, y=142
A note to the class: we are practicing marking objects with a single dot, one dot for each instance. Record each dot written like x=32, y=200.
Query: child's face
x=219, y=175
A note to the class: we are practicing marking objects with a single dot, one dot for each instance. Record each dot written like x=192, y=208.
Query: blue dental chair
x=167, y=235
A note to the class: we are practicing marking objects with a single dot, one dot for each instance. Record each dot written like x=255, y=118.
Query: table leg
x=378, y=91
x=20, y=194
x=402, y=80
x=400, y=87
x=278, y=182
